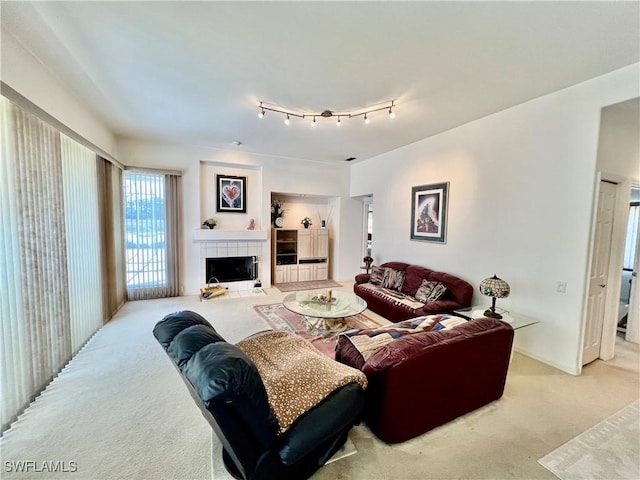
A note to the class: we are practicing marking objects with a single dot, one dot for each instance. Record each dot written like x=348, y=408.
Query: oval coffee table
x=324, y=315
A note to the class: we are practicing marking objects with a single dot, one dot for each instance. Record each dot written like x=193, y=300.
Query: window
x=632, y=236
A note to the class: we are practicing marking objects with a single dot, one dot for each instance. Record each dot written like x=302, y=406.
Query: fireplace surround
x=231, y=269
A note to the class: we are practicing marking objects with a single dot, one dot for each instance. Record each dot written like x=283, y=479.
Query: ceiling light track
x=264, y=107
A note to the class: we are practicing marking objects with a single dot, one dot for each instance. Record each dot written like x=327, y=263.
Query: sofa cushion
x=436, y=293
x=222, y=372
x=172, y=324
x=425, y=290
x=413, y=277
x=377, y=275
x=393, y=279
x=189, y=341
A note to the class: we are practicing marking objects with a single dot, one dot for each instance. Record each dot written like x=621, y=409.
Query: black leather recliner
x=226, y=385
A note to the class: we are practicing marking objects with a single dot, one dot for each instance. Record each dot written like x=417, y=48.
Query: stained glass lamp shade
x=494, y=287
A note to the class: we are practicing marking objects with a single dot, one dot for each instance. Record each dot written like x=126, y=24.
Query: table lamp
x=494, y=287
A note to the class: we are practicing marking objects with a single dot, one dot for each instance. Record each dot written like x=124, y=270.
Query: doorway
x=367, y=221
x=599, y=272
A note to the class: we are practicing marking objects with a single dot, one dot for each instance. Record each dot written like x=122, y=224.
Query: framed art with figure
x=429, y=212
x=231, y=194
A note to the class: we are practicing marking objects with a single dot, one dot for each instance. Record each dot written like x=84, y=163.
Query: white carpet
x=120, y=411
x=609, y=450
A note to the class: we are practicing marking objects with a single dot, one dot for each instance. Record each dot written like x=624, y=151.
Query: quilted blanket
x=368, y=341
x=297, y=377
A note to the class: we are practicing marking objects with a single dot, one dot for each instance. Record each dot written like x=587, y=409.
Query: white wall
x=199, y=166
x=520, y=202
x=22, y=72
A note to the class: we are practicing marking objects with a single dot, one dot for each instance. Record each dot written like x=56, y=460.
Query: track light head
x=287, y=120
x=367, y=120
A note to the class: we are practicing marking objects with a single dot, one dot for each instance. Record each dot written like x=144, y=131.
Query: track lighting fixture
x=389, y=106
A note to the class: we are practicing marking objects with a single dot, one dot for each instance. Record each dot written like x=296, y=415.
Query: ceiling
x=194, y=72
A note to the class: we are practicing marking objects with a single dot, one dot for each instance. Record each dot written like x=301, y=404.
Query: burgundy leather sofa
x=458, y=293
x=424, y=380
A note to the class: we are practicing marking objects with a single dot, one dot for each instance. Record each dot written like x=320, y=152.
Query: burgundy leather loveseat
x=423, y=380
x=397, y=301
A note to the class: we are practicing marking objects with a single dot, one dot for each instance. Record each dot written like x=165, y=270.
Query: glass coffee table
x=322, y=313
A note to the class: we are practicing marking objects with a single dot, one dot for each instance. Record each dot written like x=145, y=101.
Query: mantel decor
x=231, y=194
x=429, y=212
x=277, y=212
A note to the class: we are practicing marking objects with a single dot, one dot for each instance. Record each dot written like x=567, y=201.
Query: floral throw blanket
x=296, y=376
x=368, y=341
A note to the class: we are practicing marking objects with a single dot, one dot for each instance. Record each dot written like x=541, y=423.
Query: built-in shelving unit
x=300, y=255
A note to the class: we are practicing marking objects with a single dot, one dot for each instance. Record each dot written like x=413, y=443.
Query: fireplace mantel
x=215, y=235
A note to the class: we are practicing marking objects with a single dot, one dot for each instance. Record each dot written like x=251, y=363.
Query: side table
x=516, y=320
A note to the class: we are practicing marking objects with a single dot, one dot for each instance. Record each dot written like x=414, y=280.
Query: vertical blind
x=152, y=225
x=50, y=275
x=80, y=187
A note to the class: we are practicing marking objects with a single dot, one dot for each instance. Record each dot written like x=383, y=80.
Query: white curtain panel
x=50, y=265
x=84, y=265
x=36, y=340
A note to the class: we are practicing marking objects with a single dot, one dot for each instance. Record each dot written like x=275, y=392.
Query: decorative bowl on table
x=323, y=299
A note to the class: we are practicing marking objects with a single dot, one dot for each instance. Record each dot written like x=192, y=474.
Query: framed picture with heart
x=231, y=194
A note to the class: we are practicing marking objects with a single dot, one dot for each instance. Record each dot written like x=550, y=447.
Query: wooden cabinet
x=300, y=255
x=285, y=247
x=313, y=243
x=285, y=274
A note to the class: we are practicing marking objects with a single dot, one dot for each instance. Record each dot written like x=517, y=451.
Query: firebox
x=231, y=269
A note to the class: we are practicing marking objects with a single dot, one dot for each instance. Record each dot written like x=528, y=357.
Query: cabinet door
x=321, y=272
x=305, y=247
x=291, y=273
x=321, y=244
x=304, y=273
x=279, y=274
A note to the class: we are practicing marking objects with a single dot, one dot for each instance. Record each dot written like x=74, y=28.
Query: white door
x=599, y=272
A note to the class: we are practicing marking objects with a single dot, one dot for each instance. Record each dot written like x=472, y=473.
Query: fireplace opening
x=232, y=269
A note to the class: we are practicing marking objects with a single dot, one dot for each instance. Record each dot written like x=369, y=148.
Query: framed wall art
x=231, y=194
x=429, y=212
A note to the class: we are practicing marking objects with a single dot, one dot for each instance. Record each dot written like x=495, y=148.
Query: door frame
x=616, y=258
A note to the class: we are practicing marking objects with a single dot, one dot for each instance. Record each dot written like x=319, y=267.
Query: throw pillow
x=436, y=293
x=393, y=279
x=425, y=289
x=377, y=275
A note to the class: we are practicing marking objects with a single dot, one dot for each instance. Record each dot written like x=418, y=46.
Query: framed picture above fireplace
x=231, y=194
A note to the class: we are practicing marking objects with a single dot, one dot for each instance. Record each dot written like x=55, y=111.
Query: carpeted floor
x=120, y=411
x=608, y=450
x=279, y=318
x=312, y=285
